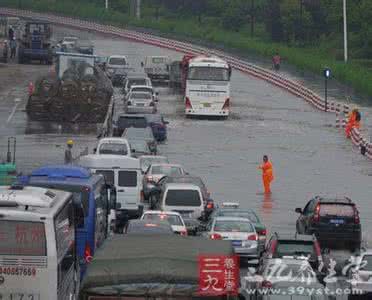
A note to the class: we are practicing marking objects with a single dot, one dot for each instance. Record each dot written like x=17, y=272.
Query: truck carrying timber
x=78, y=91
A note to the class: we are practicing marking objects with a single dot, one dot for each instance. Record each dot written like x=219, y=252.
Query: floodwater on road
x=310, y=157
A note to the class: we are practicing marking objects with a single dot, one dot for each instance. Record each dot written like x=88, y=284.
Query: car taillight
x=356, y=216
x=88, y=253
x=142, y=196
x=210, y=205
x=266, y=284
x=317, y=249
x=226, y=105
x=188, y=103
x=183, y=232
x=252, y=237
x=216, y=236
x=316, y=217
x=273, y=247
x=262, y=232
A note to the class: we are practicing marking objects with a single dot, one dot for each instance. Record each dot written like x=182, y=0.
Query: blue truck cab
x=95, y=196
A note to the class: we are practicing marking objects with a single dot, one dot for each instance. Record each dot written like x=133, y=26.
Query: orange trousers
x=267, y=184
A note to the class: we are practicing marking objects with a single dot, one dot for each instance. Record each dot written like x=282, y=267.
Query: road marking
x=16, y=103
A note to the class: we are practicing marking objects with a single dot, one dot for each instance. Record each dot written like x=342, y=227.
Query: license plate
x=337, y=221
x=236, y=243
x=206, y=104
x=19, y=296
x=140, y=104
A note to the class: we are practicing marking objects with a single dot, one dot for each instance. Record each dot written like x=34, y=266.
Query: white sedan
x=141, y=102
x=173, y=218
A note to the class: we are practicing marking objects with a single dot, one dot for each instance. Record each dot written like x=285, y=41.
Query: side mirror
x=298, y=210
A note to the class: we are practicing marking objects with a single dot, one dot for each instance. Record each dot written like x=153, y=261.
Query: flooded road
x=309, y=156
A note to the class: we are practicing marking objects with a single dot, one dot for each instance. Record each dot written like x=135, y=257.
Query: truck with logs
x=78, y=91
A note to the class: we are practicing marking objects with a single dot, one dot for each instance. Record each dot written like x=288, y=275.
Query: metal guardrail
x=276, y=79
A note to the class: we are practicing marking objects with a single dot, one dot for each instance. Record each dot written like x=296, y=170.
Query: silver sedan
x=240, y=231
x=140, y=102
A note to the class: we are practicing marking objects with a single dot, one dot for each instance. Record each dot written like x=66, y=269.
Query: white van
x=115, y=62
x=38, y=258
x=114, y=146
x=126, y=175
x=184, y=198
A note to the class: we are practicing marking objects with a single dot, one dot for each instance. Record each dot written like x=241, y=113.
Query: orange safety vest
x=267, y=171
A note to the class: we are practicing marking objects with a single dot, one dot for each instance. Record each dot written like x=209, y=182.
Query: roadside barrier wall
x=341, y=110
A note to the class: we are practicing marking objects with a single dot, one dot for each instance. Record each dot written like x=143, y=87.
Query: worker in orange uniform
x=267, y=174
x=353, y=122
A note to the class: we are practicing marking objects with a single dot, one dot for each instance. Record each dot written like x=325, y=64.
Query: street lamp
x=327, y=74
x=345, y=32
x=106, y=4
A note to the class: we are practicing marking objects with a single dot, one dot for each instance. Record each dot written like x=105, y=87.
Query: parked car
x=133, y=133
x=335, y=221
x=140, y=102
x=145, y=227
x=285, y=278
x=172, y=217
x=157, y=171
x=139, y=148
x=147, y=160
x=136, y=79
x=240, y=231
x=144, y=89
x=157, y=67
x=248, y=214
x=113, y=145
x=360, y=276
x=208, y=202
x=296, y=246
x=184, y=198
x=125, y=121
x=115, y=62
x=158, y=126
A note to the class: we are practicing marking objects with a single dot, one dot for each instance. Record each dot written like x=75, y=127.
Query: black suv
x=296, y=246
x=334, y=221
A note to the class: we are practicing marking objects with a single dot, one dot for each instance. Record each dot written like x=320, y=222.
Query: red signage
x=218, y=275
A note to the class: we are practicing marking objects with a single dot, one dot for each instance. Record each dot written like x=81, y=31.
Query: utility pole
x=345, y=32
x=252, y=17
x=138, y=9
x=106, y=4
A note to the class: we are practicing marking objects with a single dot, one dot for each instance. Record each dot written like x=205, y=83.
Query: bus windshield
x=22, y=238
x=208, y=73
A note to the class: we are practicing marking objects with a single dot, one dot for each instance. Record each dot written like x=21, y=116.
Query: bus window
x=65, y=237
x=22, y=238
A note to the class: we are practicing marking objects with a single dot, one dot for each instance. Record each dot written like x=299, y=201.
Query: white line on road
x=16, y=103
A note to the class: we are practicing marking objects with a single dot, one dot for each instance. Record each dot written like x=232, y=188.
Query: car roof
x=131, y=116
x=294, y=236
x=227, y=218
x=117, y=56
x=109, y=161
x=288, y=261
x=119, y=140
x=159, y=212
x=166, y=165
x=153, y=157
x=137, y=76
x=188, y=179
x=335, y=199
x=142, y=87
x=182, y=186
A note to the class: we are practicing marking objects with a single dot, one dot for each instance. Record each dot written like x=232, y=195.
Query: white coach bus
x=38, y=259
x=207, y=87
